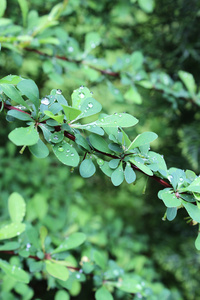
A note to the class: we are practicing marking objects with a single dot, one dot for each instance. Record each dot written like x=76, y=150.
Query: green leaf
x=40, y=150
x=147, y=5
x=87, y=168
x=120, y=120
x=71, y=242
x=28, y=88
x=56, y=270
x=106, y=169
x=158, y=159
x=129, y=285
x=11, y=230
x=58, y=118
x=188, y=80
x=103, y=294
x=11, y=79
x=171, y=213
x=99, y=259
x=16, y=207
x=129, y=174
x=92, y=40
x=13, y=94
x=14, y=272
x=192, y=210
x=169, y=198
x=91, y=127
x=9, y=246
x=62, y=295
x=142, y=167
x=56, y=137
x=194, y=186
x=197, y=242
x=132, y=95
x=24, y=136
x=19, y=115
x=80, y=140
x=113, y=163
x=137, y=60
x=79, y=96
x=99, y=143
x=24, y=8
x=117, y=176
x=3, y=7
x=143, y=139
x=89, y=107
x=70, y=112
x=66, y=154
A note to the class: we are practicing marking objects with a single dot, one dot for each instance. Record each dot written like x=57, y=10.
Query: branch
x=73, y=138
x=102, y=71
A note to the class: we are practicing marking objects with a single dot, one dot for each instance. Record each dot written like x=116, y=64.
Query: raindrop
x=139, y=286
x=55, y=137
x=70, y=49
x=68, y=150
x=181, y=179
x=81, y=87
x=100, y=162
x=93, y=45
x=88, y=127
x=81, y=95
x=72, y=154
x=170, y=178
x=78, y=276
x=28, y=246
x=45, y=101
x=90, y=105
x=59, y=91
x=102, y=120
x=120, y=116
x=116, y=272
x=60, y=149
x=13, y=268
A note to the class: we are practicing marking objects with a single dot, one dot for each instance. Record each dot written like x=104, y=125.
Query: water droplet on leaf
x=58, y=91
x=60, y=149
x=81, y=95
x=90, y=105
x=45, y=101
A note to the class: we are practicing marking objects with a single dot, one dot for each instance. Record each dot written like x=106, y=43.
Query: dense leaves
x=64, y=233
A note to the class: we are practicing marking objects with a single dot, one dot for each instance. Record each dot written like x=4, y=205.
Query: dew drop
x=181, y=179
x=60, y=149
x=45, y=101
x=81, y=95
x=59, y=91
x=55, y=137
x=93, y=45
x=120, y=116
x=78, y=276
x=72, y=154
x=68, y=150
x=70, y=49
x=90, y=105
x=116, y=272
x=100, y=162
x=88, y=127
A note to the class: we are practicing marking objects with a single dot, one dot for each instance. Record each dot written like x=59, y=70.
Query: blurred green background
x=124, y=222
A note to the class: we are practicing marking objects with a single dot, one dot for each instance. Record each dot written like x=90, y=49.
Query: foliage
x=81, y=136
